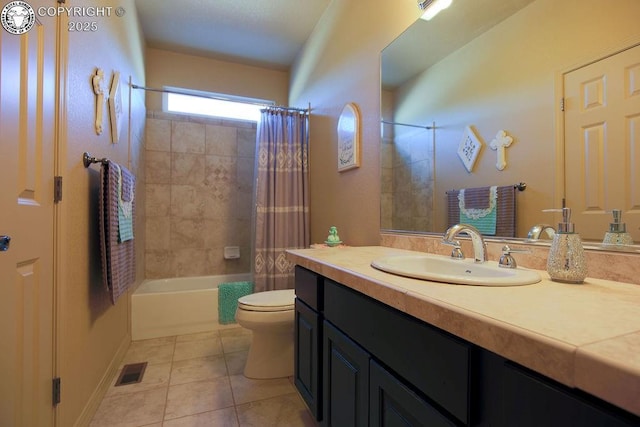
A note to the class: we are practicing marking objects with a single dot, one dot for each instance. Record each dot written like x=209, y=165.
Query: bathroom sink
x=460, y=272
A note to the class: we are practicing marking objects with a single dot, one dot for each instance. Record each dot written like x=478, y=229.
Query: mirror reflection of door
x=602, y=130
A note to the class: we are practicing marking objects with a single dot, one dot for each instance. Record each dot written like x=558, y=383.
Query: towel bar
x=408, y=124
x=88, y=160
x=521, y=186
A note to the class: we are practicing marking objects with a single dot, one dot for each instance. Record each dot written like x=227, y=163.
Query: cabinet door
x=392, y=404
x=307, y=372
x=345, y=380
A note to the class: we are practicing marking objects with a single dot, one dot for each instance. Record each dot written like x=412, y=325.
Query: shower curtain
x=282, y=195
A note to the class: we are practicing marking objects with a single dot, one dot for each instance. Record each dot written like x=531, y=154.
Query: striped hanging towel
x=505, y=207
x=484, y=219
x=118, y=258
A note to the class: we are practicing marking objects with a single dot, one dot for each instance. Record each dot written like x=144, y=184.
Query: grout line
x=166, y=396
x=235, y=409
x=233, y=396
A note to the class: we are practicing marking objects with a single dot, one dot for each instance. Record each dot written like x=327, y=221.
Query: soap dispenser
x=617, y=234
x=566, y=262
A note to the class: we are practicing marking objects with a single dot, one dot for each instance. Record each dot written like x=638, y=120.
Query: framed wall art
x=349, y=138
x=469, y=148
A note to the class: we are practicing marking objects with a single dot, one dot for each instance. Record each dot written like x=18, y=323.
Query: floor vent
x=131, y=374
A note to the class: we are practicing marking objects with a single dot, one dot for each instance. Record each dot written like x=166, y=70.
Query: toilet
x=270, y=317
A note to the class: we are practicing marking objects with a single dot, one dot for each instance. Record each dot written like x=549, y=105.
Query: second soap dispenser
x=566, y=262
x=617, y=234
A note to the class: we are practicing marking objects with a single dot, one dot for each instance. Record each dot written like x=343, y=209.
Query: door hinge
x=561, y=104
x=57, y=189
x=56, y=391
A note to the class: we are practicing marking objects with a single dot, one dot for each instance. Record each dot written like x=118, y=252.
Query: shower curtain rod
x=220, y=98
x=407, y=124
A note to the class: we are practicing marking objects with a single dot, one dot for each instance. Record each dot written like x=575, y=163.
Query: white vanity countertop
x=585, y=336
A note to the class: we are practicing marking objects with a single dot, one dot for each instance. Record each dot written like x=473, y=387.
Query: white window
x=212, y=104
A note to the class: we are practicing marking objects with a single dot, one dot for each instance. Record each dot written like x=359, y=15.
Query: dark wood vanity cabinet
x=337, y=333
x=308, y=339
x=358, y=391
x=432, y=362
x=359, y=362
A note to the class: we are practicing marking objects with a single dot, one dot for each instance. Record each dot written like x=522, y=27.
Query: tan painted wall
x=166, y=68
x=340, y=64
x=92, y=330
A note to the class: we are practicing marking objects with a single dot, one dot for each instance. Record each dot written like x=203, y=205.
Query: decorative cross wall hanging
x=499, y=144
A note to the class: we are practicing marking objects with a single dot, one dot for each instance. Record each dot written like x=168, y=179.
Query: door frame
x=59, y=253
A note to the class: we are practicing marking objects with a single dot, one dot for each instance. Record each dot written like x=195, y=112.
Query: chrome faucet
x=479, y=246
x=537, y=230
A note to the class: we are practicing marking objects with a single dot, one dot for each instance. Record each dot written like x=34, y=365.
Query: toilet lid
x=268, y=301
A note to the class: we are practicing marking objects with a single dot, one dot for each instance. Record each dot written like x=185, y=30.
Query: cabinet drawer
x=309, y=287
x=433, y=361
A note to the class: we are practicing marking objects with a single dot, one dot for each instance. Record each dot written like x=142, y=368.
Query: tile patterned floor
x=196, y=380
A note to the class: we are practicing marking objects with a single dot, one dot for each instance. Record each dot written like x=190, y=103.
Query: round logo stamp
x=17, y=17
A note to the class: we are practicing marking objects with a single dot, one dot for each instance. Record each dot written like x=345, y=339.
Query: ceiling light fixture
x=432, y=7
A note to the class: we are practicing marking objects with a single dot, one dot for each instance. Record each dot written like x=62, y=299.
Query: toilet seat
x=281, y=300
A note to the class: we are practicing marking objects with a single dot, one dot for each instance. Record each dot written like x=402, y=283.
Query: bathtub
x=167, y=307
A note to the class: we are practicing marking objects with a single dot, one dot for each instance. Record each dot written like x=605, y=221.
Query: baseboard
x=101, y=390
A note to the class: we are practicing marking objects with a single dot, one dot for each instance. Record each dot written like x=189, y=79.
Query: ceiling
x=270, y=33
x=266, y=33
x=426, y=42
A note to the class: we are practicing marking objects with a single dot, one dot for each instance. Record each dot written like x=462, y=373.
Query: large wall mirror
x=553, y=86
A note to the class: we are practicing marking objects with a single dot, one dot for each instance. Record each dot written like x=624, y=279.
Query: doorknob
x=5, y=241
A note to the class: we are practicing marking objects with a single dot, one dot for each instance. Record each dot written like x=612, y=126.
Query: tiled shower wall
x=407, y=178
x=199, y=191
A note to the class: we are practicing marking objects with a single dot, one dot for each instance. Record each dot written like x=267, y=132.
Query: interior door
x=27, y=131
x=602, y=143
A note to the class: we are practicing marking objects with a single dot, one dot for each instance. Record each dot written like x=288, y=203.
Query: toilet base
x=270, y=355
